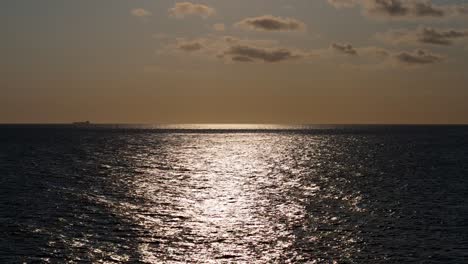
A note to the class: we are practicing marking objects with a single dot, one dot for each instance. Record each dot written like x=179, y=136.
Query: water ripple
x=295, y=197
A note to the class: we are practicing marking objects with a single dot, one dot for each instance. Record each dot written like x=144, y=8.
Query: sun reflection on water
x=243, y=198
x=144, y=196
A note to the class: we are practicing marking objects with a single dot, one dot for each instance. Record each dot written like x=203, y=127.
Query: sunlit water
x=298, y=195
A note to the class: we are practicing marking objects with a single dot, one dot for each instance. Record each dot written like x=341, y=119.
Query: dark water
x=300, y=195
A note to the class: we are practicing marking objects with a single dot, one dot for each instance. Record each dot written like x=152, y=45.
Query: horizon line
x=238, y=124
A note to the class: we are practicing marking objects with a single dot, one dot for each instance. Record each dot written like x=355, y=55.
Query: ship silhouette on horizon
x=82, y=123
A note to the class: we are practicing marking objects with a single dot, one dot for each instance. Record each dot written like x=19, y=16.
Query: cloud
x=140, y=12
x=418, y=57
x=244, y=53
x=267, y=43
x=219, y=27
x=423, y=35
x=383, y=58
x=344, y=48
x=232, y=49
x=242, y=59
x=271, y=23
x=183, y=46
x=402, y=9
x=190, y=46
x=182, y=9
x=376, y=58
x=440, y=37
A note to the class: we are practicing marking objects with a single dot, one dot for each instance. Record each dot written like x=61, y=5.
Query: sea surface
x=233, y=194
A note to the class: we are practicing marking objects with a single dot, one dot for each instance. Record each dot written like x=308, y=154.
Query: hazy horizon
x=255, y=126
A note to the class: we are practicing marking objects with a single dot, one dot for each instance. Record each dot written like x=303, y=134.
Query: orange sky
x=240, y=61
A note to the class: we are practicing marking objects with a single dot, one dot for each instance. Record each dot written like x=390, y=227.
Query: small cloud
x=242, y=59
x=271, y=23
x=344, y=48
x=140, y=12
x=244, y=53
x=197, y=46
x=403, y=9
x=400, y=8
x=418, y=57
x=182, y=9
x=423, y=35
x=219, y=27
x=233, y=49
x=390, y=58
x=440, y=37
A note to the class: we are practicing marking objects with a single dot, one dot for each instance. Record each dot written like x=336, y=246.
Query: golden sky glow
x=265, y=61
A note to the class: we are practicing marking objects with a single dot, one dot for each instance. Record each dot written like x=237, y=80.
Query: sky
x=242, y=61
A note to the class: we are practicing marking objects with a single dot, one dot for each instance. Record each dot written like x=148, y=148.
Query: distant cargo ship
x=85, y=123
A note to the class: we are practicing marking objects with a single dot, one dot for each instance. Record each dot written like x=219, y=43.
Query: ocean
x=233, y=194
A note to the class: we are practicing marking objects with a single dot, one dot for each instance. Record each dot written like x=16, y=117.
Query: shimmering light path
x=345, y=195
